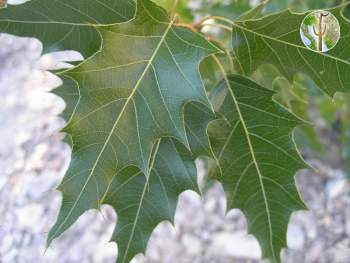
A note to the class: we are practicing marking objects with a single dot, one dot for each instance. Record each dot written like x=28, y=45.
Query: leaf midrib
x=141, y=201
x=55, y=23
x=252, y=153
x=290, y=44
x=116, y=123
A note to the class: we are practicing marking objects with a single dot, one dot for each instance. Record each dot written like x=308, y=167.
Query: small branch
x=221, y=68
x=227, y=52
x=229, y=57
x=314, y=29
x=3, y=3
x=188, y=26
x=324, y=15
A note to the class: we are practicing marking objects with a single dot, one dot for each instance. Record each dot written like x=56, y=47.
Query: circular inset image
x=320, y=31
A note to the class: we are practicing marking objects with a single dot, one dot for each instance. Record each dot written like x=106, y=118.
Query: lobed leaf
x=258, y=42
x=257, y=160
x=132, y=93
x=128, y=101
x=64, y=24
x=141, y=201
x=299, y=5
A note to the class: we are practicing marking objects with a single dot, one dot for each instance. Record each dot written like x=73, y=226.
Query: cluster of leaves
x=141, y=108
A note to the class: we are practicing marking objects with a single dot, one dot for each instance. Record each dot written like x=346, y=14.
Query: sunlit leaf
x=128, y=101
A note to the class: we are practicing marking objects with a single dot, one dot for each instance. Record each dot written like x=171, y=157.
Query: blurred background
x=33, y=160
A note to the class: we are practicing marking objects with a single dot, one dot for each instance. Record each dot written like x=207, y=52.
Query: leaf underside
x=257, y=160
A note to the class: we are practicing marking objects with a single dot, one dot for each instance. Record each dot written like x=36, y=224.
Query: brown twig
x=3, y=3
x=321, y=31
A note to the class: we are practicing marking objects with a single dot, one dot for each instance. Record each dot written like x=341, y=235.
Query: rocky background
x=33, y=160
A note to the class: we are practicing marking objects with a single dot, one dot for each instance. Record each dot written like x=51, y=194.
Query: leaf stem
x=3, y=3
x=152, y=160
x=221, y=68
x=251, y=150
x=227, y=54
x=188, y=26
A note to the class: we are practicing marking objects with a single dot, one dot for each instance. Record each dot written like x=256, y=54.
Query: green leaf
x=260, y=41
x=238, y=9
x=128, y=101
x=295, y=98
x=70, y=93
x=257, y=160
x=172, y=173
x=232, y=10
x=298, y=5
x=133, y=195
x=142, y=202
x=335, y=116
x=180, y=7
x=65, y=24
x=197, y=117
x=255, y=12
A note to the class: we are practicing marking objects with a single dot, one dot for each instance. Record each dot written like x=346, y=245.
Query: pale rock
x=337, y=185
x=30, y=215
x=237, y=244
x=295, y=237
x=192, y=244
